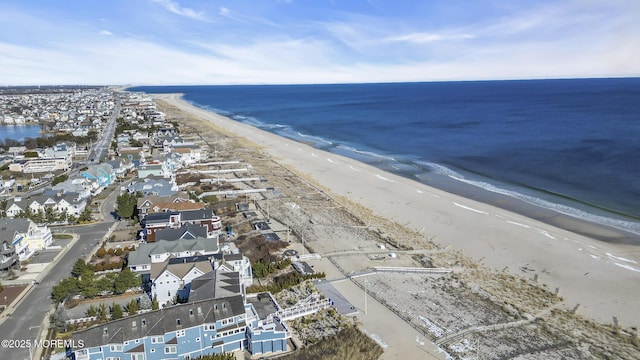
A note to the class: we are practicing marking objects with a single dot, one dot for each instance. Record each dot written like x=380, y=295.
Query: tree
x=127, y=279
x=85, y=216
x=126, y=205
x=60, y=318
x=116, y=311
x=58, y=179
x=102, y=312
x=78, y=268
x=145, y=302
x=154, y=304
x=101, y=252
x=132, y=307
x=106, y=283
x=66, y=287
x=91, y=311
x=87, y=284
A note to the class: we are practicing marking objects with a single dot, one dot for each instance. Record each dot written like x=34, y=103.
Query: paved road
x=101, y=148
x=26, y=321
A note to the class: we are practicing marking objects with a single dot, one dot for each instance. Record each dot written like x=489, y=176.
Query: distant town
x=154, y=216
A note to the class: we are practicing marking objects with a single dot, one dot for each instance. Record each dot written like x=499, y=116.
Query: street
x=26, y=321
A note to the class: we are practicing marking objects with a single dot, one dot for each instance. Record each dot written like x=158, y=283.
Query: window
x=105, y=331
x=209, y=327
x=144, y=322
x=190, y=312
x=170, y=349
x=152, y=350
x=197, y=339
x=115, y=348
x=178, y=322
x=157, y=339
x=134, y=324
x=138, y=356
x=180, y=333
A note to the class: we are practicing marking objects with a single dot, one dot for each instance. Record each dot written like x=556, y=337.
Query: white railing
x=412, y=270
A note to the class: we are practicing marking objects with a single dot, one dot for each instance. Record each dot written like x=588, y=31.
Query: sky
x=183, y=42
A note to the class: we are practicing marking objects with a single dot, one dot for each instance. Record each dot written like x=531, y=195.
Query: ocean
x=19, y=132
x=571, y=146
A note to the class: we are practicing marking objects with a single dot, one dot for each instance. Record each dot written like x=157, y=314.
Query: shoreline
x=595, y=274
x=569, y=214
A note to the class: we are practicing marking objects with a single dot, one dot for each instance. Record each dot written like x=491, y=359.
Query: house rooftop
x=160, y=322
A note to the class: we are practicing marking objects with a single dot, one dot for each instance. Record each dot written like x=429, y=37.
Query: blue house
x=217, y=319
x=99, y=176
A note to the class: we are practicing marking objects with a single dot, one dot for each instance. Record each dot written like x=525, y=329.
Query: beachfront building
x=176, y=219
x=217, y=318
x=153, y=186
x=237, y=263
x=159, y=204
x=150, y=170
x=171, y=279
x=189, y=153
x=140, y=261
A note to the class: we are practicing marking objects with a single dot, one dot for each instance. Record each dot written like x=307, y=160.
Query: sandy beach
x=597, y=278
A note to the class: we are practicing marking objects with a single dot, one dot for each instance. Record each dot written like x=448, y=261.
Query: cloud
x=106, y=33
x=423, y=38
x=175, y=8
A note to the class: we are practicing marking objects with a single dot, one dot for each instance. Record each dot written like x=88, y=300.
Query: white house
x=171, y=279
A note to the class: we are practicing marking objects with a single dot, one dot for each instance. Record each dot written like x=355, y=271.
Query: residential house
x=185, y=232
x=176, y=219
x=235, y=263
x=150, y=170
x=8, y=256
x=190, y=153
x=153, y=186
x=154, y=204
x=140, y=260
x=79, y=185
x=70, y=203
x=120, y=167
x=218, y=318
x=171, y=279
x=20, y=232
x=99, y=176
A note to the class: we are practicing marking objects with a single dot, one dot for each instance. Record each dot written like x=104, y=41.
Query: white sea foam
x=563, y=209
x=547, y=234
x=315, y=138
x=628, y=267
x=519, y=224
x=384, y=178
x=621, y=258
x=469, y=208
x=331, y=161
